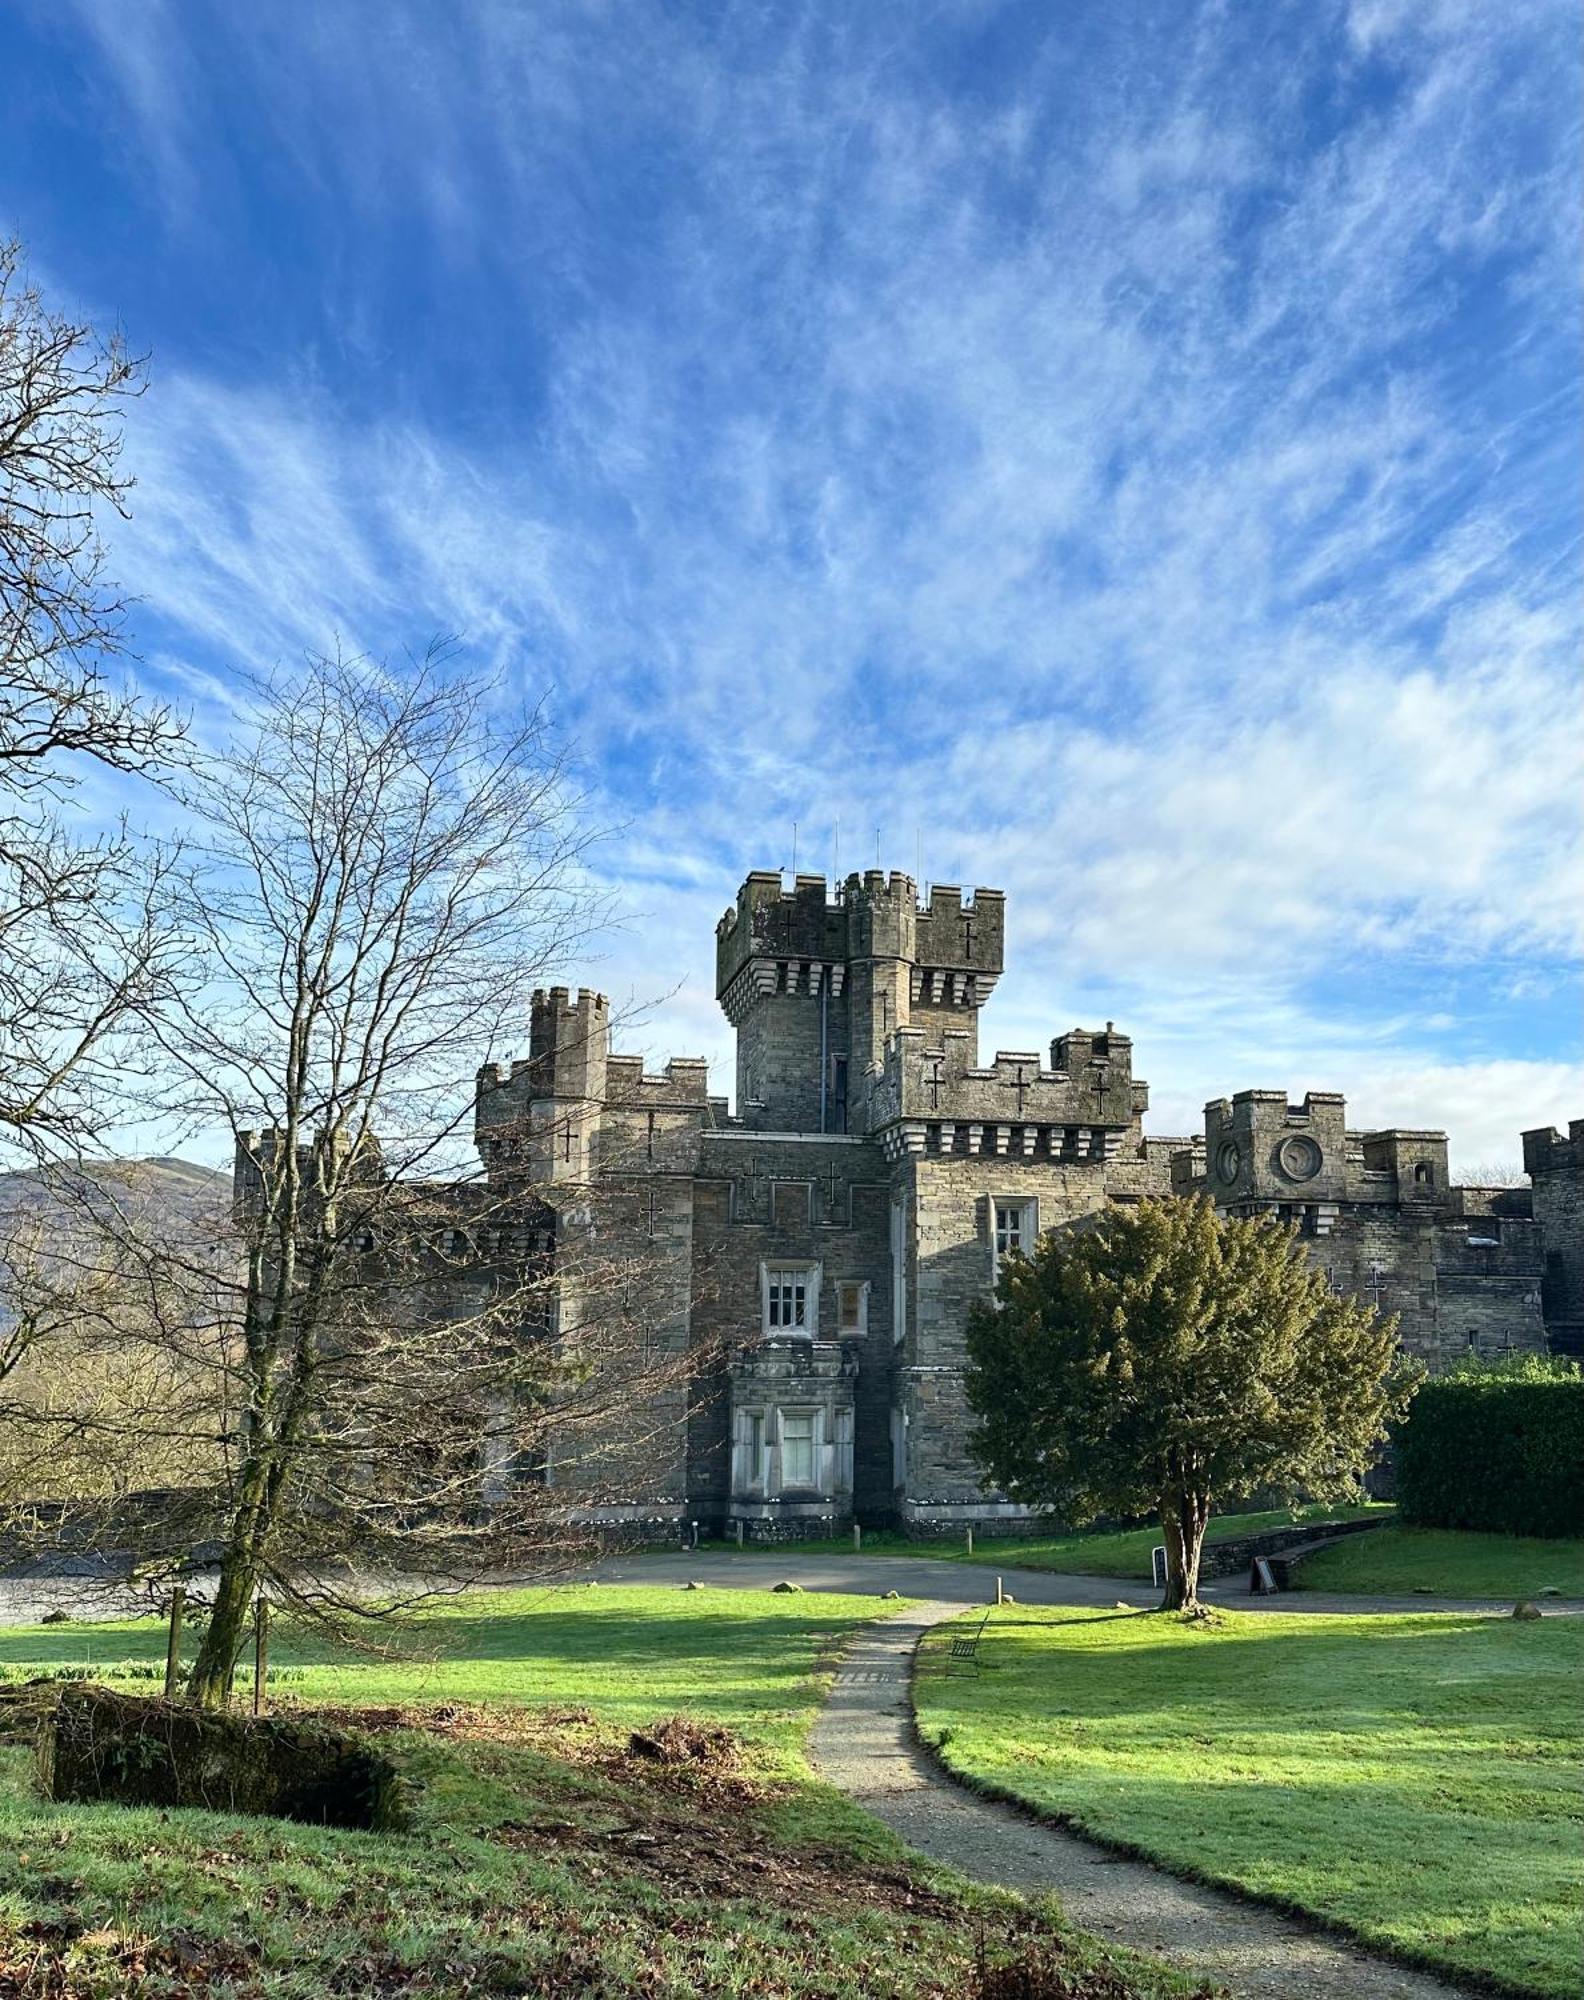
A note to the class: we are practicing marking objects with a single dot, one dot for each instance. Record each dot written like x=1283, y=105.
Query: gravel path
x=864, y=1743
x=24, y=1599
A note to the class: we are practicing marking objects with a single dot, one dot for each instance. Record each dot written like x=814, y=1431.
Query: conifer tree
x=1164, y=1357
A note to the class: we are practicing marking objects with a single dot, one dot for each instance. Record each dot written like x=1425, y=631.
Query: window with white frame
x=1016, y=1226
x=791, y=1298
x=797, y=1447
x=749, y=1472
x=842, y=1441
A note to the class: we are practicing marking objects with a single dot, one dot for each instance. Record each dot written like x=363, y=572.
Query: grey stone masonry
x=1460, y=1267
x=811, y=1254
x=1556, y=1169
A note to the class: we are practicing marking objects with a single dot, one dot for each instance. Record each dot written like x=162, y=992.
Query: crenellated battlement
x=684, y=1080
x=1545, y=1151
x=934, y=1096
x=807, y=939
x=805, y=924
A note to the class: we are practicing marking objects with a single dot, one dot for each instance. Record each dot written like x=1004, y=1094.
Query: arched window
x=1424, y=1174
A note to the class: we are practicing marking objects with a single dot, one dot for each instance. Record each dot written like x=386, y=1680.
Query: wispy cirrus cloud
x=1128, y=457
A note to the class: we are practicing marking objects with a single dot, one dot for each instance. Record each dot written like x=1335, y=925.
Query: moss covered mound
x=97, y=1745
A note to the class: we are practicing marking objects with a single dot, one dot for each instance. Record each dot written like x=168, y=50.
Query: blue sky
x=1127, y=450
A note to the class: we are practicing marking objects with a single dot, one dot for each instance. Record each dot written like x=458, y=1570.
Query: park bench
x=966, y=1648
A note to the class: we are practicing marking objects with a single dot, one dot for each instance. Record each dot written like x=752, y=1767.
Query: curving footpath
x=864, y=1743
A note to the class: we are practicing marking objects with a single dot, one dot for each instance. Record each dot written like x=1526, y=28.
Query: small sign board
x=1261, y=1582
x=1158, y=1567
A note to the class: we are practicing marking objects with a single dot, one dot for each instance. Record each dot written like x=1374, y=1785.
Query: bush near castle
x=1496, y=1448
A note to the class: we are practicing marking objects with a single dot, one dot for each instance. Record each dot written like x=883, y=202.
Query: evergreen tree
x=1164, y=1356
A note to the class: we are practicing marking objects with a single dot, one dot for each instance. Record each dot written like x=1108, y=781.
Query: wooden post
x=970, y=1541
x=173, y=1642
x=261, y=1614
x=739, y=1527
x=999, y=1598
x=857, y=1539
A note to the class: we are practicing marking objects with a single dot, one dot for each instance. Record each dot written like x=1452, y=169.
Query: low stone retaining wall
x=1236, y=1557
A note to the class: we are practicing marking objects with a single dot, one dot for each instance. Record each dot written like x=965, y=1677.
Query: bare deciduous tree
x=380, y=870
x=79, y=950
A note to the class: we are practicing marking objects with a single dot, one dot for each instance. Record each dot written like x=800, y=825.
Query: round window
x=1228, y=1160
x=1299, y=1157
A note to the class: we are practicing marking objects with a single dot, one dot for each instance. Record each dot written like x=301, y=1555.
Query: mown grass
x=544, y=1857
x=1121, y=1552
x=1415, y=1779
x=1443, y=1562
x=745, y=1657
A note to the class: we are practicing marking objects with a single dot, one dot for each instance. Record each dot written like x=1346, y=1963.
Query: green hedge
x=1505, y=1457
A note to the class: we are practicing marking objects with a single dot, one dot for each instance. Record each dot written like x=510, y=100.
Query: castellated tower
x=1456, y=1266
x=612, y=1152
x=540, y=1118
x=817, y=984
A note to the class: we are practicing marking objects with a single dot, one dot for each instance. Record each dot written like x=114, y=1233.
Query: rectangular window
x=786, y=1298
x=797, y=1448
x=756, y=1448
x=851, y=1304
x=1016, y=1225
x=748, y=1470
x=898, y=1272
x=843, y=1441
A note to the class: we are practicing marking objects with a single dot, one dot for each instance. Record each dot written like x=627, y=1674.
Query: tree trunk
x=209, y=1685
x=1184, y=1517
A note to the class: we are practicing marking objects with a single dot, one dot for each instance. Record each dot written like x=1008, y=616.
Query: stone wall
x=950, y=1255
x=767, y=1199
x=1556, y=1166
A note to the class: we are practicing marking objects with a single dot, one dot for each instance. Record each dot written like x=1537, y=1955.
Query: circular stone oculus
x=1299, y=1158
x=1228, y=1160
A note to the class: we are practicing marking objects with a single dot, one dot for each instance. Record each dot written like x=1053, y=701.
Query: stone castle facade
x=813, y=1254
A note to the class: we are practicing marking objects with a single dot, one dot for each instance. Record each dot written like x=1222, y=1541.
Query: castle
x=818, y=1249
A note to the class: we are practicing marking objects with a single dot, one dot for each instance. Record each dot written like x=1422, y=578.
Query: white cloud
x=1101, y=483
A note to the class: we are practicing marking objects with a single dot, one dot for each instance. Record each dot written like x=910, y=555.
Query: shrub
x=1496, y=1451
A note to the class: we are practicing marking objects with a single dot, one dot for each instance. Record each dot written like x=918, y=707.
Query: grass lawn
x=1394, y=1560
x=1413, y=1778
x=545, y=1857
x=1112, y=1552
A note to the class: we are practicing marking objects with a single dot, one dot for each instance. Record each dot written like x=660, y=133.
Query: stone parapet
x=1013, y=1103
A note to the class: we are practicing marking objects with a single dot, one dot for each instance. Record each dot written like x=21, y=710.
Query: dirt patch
x=678, y=1739
x=462, y=1722
x=62, y=1961
x=689, y=1828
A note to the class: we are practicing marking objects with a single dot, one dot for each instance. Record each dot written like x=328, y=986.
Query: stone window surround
x=860, y=1325
x=759, y=1449
x=812, y=1273
x=1028, y=1229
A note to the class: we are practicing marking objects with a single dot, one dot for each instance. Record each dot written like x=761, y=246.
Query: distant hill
x=177, y=1194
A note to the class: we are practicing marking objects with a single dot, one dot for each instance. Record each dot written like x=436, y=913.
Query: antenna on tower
x=836, y=851
x=794, y=847
x=877, y=847
x=918, y=857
